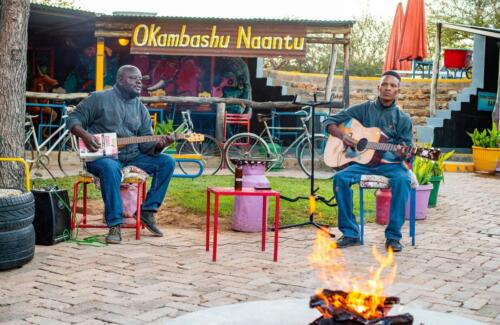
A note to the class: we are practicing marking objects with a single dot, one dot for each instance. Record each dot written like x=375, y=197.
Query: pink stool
x=247, y=191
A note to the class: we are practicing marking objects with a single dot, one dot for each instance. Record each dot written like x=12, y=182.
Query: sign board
x=207, y=38
x=486, y=101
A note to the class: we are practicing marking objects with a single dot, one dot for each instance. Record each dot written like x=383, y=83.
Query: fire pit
x=340, y=307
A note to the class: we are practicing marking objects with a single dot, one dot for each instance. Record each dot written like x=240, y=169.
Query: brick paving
x=454, y=268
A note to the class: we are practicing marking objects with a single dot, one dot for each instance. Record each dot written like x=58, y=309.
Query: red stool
x=246, y=191
x=236, y=119
x=85, y=179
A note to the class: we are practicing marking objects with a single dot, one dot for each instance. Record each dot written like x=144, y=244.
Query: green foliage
x=423, y=170
x=488, y=138
x=191, y=195
x=57, y=3
x=367, y=51
x=482, y=13
x=166, y=127
x=437, y=166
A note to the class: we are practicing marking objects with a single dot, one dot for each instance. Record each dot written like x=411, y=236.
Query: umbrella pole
x=435, y=71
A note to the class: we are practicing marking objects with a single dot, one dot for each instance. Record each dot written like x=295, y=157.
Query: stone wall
x=413, y=99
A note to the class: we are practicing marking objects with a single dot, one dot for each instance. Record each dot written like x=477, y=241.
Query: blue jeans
x=400, y=181
x=108, y=170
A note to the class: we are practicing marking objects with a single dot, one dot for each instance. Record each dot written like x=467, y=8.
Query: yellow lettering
x=153, y=30
x=184, y=38
x=137, y=30
x=162, y=40
x=173, y=40
x=288, y=46
x=277, y=40
x=300, y=44
x=195, y=41
x=214, y=39
x=256, y=42
x=205, y=40
x=222, y=44
x=266, y=42
x=242, y=36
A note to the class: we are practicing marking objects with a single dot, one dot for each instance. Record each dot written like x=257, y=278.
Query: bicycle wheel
x=243, y=146
x=67, y=154
x=210, y=150
x=29, y=153
x=305, y=154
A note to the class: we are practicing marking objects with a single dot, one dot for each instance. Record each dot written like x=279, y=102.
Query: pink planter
x=422, y=201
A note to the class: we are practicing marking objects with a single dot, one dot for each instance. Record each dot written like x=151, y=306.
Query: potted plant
x=422, y=168
x=437, y=176
x=167, y=127
x=486, y=149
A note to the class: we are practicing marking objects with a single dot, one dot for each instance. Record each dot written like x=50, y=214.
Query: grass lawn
x=191, y=194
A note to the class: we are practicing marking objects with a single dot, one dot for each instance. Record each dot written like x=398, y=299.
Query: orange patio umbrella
x=414, y=38
x=391, y=61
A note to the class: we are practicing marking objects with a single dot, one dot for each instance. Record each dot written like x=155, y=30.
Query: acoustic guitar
x=109, y=143
x=370, y=145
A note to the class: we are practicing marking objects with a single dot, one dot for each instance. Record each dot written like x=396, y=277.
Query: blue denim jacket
x=110, y=111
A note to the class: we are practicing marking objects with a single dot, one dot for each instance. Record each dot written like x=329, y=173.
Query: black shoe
x=394, y=244
x=148, y=220
x=344, y=241
x=114, y=235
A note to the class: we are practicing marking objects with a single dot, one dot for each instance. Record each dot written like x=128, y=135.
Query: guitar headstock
x=194, y=137
x=429, y=153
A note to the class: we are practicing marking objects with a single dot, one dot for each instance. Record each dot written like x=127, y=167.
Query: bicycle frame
x=304, y=135
x=38, y=147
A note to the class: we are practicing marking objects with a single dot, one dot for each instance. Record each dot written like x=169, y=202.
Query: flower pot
x=435, y=181
x=485, y=159
x=422, y=201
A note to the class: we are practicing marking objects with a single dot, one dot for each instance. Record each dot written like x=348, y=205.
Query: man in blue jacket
x=119, y=110
x=397, y=126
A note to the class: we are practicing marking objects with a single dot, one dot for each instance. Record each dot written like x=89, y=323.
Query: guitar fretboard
x=385, y=146
x=141, y=139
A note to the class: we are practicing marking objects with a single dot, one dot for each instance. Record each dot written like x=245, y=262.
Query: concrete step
x=435, y=121
x=425, y=134
x=454, y=105
x=443, y=113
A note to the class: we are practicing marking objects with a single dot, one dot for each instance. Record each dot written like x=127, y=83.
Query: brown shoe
x=148, y=220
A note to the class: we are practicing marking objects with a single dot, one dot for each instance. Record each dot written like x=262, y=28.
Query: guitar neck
x=141, y=139
x=387, y=147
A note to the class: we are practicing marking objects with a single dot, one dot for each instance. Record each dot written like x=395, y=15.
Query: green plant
x=423, y=170
x=488, y=138
x=166, y=127
x=437, y=166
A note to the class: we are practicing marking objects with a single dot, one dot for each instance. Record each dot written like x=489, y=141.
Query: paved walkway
x=454, y=268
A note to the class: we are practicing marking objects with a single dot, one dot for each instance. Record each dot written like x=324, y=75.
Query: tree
x=14, y=16
x=484, y=13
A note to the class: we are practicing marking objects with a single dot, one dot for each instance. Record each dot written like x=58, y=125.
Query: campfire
x=355, y=299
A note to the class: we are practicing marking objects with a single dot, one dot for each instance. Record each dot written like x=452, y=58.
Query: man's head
x=129, y=80
x=388, y=88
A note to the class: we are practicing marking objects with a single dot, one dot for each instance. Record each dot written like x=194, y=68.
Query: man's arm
x=88, y=139
x=334, y=130
x=332, y=122
x=79, y=118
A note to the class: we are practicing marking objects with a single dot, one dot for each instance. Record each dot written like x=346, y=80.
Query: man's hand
x=90, y=142
x=403, y=152
x=348, y=141
x=164, y=142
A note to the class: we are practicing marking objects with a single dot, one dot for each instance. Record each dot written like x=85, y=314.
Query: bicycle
x=209, y=149
x=251, y=146
x=34, y=153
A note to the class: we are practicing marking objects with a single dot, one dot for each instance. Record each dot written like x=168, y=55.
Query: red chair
x=85, y=179
x=237, y=119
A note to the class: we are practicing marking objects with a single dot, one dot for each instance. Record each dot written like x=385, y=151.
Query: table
x=422, y=65
x=246, y=191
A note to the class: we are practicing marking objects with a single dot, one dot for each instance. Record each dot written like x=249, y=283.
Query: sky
x=304, y=9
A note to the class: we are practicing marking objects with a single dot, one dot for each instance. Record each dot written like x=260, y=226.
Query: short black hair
x=392, y=73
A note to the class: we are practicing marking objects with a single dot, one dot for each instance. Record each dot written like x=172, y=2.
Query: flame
x=365, y=294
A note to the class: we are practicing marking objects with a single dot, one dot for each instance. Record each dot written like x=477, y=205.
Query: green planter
x=435, y=181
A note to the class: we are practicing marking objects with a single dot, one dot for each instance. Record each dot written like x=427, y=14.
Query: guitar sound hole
x=361, y=145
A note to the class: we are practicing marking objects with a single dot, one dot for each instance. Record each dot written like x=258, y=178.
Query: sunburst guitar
x=109, y=143
x=371, y=143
